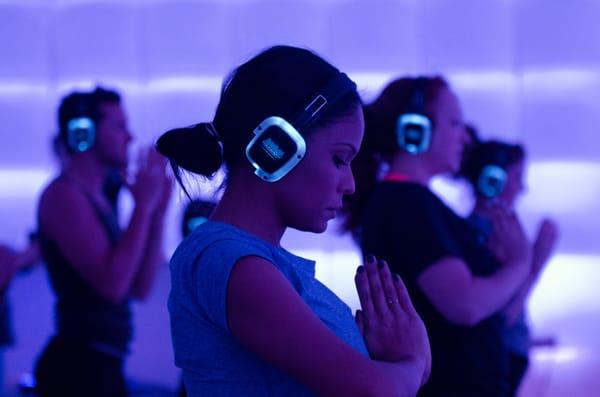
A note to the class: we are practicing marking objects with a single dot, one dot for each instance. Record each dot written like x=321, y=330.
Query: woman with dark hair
x=414, y=131
x=248, y=318
x=495, y=172
x=95, y=268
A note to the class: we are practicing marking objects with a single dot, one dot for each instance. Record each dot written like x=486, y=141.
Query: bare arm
x=68, y=219
x=269, y=318
x=465, y=299
x=154, y=255
x=153, y=258
x=543, y=246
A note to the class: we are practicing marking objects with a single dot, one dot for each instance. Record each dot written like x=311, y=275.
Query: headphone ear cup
x=413, y=133
x=491, y=181
x=81, y=134
x=277, y=147
x=413, y=128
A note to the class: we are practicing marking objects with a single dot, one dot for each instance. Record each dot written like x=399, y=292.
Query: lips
x=334, y=211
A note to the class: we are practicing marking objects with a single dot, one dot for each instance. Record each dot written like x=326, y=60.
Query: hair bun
x=196, y=149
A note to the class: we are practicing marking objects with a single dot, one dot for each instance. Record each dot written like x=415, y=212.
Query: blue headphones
x=81, y=130
x=81, y=134
x=413, y=128
x=493, y=176
x=491, y=181
x=278, y=146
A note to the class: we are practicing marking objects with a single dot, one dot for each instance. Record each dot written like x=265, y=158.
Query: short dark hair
x=78, y=104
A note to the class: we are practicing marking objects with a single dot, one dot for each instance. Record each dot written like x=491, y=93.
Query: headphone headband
x=326, y=97
x=417, y=96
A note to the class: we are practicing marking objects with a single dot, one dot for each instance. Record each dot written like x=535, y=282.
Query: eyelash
x=338, y=162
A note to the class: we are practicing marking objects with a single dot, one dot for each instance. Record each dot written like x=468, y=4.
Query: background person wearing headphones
x=495, y=172
x=248, y=318
x=11, y=263
x=414, y=131
x=95, y=268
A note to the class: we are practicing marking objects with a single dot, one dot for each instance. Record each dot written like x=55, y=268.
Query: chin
x=321, y=228
x=316, y=227
x=454, y=167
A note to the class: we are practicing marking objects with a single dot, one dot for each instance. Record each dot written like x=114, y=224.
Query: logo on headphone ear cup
x=413, y=132
x=81, y=134
x=275, y=149
x=491, y=181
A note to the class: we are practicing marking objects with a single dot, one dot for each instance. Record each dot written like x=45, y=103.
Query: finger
x=427, y=370
x=403, y=296
x=376, y=289
x=364, y=295
x=500, y=221
x=549, y=227
x=389, y=289
x=359, y=322
x=142, y=157
x=155, y=158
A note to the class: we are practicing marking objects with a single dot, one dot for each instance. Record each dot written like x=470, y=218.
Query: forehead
x=515, y=167
x=346, y=129
x=446, y=101
x=111, y=111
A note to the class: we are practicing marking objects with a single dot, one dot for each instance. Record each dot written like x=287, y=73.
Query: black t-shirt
x=411, y=228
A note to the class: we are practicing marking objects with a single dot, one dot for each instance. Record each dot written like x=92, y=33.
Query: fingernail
x=360, y=269
x=370, y=258
x=380, y=264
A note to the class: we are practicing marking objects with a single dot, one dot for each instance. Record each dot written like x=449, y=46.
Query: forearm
x=126, y=257
x=400, y=379
x=488, y=295
x=517, y=304
x=153, y=258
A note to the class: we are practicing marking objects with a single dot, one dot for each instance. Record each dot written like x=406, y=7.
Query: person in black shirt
x=494, y=171
x=459, y=284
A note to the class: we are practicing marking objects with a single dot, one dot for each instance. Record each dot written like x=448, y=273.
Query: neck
x=85, y=170
x=413, y=167
x=249, y=209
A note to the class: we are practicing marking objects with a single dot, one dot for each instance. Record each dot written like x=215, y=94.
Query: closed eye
x=339, y=162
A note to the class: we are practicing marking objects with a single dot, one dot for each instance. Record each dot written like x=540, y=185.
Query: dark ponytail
x=277, y=82
x=380, y=143
x=195, y=149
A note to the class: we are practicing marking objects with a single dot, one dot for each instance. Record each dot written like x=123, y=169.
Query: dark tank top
x=80, y=312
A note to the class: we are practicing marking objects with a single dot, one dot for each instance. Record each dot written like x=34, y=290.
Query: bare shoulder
x=62, y=203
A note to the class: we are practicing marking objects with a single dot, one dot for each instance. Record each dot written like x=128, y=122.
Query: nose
x=347, y=185
x=467, y=139
x=522, y=187
x=128, y=136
